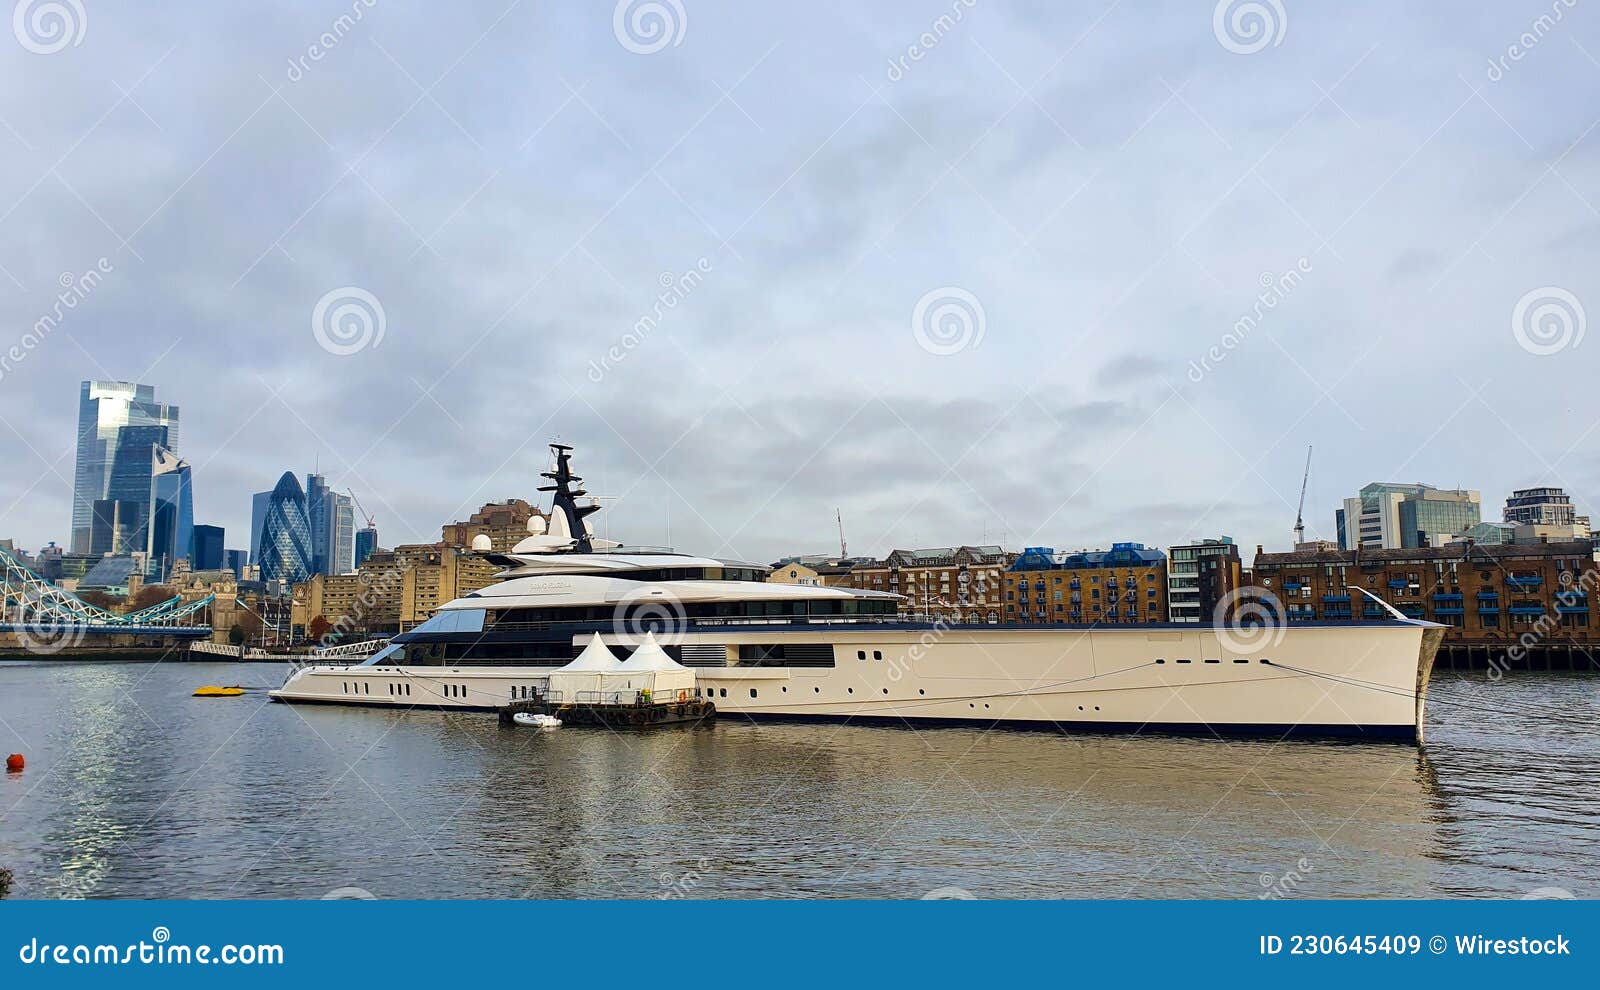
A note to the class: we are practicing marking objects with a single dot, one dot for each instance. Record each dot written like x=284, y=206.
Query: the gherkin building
x=286, y=534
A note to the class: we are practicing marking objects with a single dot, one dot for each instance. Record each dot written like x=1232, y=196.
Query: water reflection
x=134, y=789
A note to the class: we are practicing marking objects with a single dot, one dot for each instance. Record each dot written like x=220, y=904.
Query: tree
x=247, y=625
x=318, y=628
x=151, y=594
x=236, y=636
x=97, y=598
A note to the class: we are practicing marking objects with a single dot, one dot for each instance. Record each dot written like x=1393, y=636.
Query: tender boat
x=537, y=719
x=766, y=650
x=213, y=691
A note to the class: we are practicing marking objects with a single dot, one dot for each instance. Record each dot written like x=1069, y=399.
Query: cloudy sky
x=978, y=279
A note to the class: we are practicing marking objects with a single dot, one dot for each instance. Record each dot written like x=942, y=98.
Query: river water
x=135, y=789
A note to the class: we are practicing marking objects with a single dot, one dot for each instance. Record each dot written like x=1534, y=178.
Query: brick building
x=950, y=584
x=1487, y=595
x=1125, y=584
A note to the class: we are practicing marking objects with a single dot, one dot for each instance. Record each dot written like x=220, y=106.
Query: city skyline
x=334, y=550
x=1169, y=265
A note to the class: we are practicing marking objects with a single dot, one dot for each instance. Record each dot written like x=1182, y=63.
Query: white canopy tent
x=590, y=673
x=650, y=669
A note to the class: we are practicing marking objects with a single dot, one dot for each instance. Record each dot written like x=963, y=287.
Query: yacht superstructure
x=775, y=650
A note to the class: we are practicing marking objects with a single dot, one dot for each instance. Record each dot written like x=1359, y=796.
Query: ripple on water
x=135, y=789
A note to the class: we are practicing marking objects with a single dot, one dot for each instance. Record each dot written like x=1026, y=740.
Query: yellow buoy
x=212, y=691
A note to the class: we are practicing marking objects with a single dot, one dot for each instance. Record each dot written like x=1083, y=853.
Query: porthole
x=861, y=654
x=1213, y=660
x=1241, y=659
x=752, y=692
x=1184, y=660
x=971, y=705
x=724, y=692
x=877, y=654
x=850, y=690
x=1265, y=660
x=1160, y=661
x=885, y=690
x=921, y=691
x=785, y=689
x=1096, y=707
x=816, y=690
x=1080, y=708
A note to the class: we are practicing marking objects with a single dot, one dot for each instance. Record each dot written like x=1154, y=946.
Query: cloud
x=513, y=185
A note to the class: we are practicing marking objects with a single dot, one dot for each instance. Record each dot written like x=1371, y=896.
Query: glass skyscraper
x=366, y=542
x=286, y=534
x=105, y=411
x=206, y=552
x=171, y=526
x=333, y=523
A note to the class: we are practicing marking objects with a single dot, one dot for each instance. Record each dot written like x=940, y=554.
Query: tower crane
x=1299, y=514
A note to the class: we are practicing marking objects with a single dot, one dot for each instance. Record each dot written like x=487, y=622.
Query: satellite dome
x=481, y=542
x=536, y=525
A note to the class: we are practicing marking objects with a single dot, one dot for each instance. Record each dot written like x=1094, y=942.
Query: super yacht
x=768, y=650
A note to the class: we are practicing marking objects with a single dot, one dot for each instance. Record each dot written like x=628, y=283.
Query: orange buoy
x=14, y=763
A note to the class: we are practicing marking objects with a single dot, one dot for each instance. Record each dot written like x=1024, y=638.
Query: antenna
x=844, y=550
x=1299, y=514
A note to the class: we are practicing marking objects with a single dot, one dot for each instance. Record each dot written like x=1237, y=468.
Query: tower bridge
x=39, y=619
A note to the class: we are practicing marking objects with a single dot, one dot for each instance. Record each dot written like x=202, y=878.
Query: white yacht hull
x=1366, y=680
